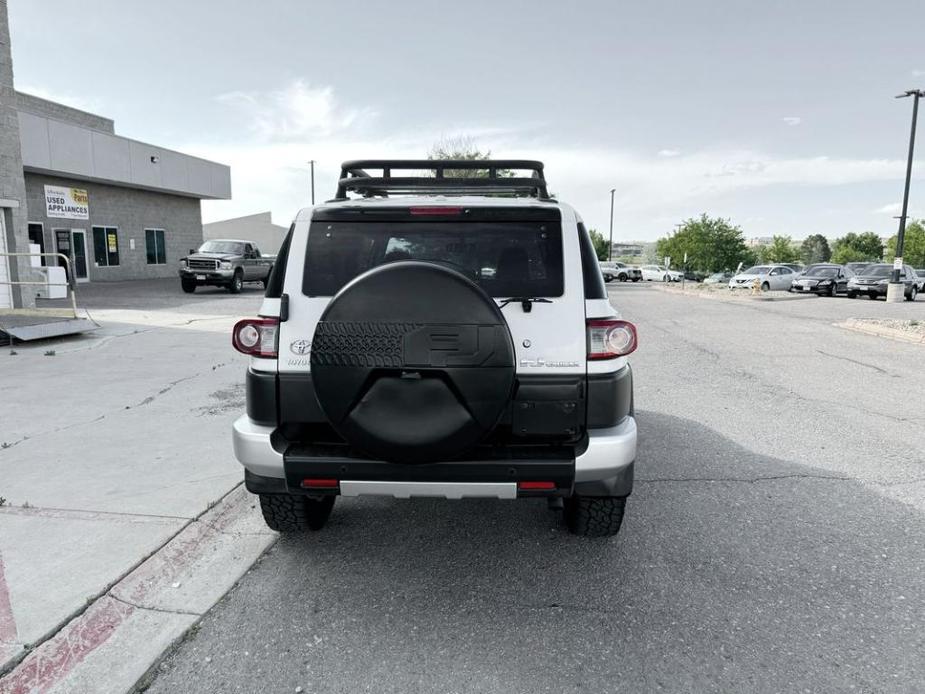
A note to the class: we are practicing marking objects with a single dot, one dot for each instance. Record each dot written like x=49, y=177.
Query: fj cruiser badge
x=300, y=347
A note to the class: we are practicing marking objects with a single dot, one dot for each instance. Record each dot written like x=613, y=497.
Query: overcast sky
x=779, y=115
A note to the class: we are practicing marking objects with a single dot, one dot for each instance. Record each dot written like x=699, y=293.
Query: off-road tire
x=288, y=513
x=188, y=286
x=237, y=282
x=594, y=516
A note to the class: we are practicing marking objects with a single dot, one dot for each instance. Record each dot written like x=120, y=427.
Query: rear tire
x=833, y=292
x=288, y=513
x=594, y=516
x=852, y=295
x=765, y=287
x=188, y=286
x=912, y=293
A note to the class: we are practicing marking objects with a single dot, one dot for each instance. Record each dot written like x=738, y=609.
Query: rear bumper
x=603, y=468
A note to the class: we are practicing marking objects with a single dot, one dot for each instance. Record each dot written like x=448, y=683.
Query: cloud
x=296, y=112
x=792, y=120
x=918, y=73
x=296, y=123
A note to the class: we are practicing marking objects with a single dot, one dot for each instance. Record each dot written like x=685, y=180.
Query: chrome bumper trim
x=444, y=490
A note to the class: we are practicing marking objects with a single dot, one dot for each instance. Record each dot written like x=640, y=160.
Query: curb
x=733, y=298
x=860, y=326
x=151, y=608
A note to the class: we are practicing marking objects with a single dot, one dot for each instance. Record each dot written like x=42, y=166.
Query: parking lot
x=774, y=540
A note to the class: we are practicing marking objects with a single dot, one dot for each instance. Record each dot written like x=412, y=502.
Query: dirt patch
x=894, y=329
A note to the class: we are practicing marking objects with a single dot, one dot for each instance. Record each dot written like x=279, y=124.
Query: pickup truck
x=225, y=263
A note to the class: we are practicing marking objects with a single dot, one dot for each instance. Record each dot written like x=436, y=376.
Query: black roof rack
x=496, y=176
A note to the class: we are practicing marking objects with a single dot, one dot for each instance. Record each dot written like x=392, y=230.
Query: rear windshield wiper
x=526, y=302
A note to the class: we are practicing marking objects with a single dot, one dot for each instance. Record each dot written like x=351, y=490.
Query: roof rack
x=494, y=176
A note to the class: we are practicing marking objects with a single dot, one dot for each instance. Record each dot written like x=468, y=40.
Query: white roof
x=432, y=201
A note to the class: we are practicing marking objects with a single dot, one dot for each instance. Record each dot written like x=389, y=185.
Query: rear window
x=507, y=259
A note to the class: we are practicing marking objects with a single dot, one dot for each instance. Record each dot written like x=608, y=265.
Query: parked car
x=771, y=277
x=857, y=267
x=874, y=280
x=656, y=273
x=695, y=275
x=614, y=270
x=719, y=277
x=385, y=361
x=920, y=273
x=225, y=263
x=823, y=278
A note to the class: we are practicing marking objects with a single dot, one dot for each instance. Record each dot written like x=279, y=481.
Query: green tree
x=711, y=244
x=815, y=249
x=857, y=248
x=462, y=147
x=780, y=250
x=913, y=245
x=600, y=243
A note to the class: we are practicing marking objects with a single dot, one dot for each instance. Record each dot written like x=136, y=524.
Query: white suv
x=441, y=335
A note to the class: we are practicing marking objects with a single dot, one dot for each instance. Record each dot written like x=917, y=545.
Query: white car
x=770, y=277
x=656, y=273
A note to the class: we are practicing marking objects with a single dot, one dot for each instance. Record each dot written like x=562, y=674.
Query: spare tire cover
x=412, y=362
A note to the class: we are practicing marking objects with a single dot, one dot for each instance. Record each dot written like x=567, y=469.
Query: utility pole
x=312, y=162
x=895, y=290
x=610, y=247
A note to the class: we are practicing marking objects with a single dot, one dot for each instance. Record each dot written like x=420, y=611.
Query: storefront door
x=73, y=244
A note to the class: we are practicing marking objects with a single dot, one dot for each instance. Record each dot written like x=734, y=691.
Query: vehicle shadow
x=734, y=571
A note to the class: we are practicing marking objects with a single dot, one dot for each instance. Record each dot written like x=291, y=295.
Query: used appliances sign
x=68, y=203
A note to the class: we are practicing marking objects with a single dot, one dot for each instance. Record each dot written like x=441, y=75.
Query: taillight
x=609, y=338
x=256, y=337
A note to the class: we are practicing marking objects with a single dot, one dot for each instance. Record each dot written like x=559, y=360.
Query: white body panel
x=551, y=339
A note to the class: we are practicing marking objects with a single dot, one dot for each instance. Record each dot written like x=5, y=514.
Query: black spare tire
x=412, y=362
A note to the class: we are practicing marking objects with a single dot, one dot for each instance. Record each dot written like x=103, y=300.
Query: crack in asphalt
x=749, y=480
x=170, y=385
x=860, y=363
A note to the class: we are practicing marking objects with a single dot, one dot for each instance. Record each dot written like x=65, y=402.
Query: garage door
x=6, y=293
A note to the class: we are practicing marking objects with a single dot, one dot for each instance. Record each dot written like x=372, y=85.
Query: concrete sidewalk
x=111, y=445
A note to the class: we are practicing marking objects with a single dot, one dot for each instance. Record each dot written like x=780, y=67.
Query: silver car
x=770, y=278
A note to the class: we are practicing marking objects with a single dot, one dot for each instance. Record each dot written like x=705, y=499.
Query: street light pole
x=610, y=247
x=312, y=162
x=896, y=291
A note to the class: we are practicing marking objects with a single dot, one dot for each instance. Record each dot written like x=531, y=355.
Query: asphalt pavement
x=775, y=541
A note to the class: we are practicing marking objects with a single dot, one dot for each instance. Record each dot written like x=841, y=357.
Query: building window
x=154, y=247
x=37, y=236
x=106, y=246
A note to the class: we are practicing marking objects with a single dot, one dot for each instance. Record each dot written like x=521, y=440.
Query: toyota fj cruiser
x=442, y=335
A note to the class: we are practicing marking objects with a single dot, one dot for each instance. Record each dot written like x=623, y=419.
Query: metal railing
x=70, y=283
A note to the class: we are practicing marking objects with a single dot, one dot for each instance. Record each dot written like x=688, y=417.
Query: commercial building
x=117, y=208
x=258, y=228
